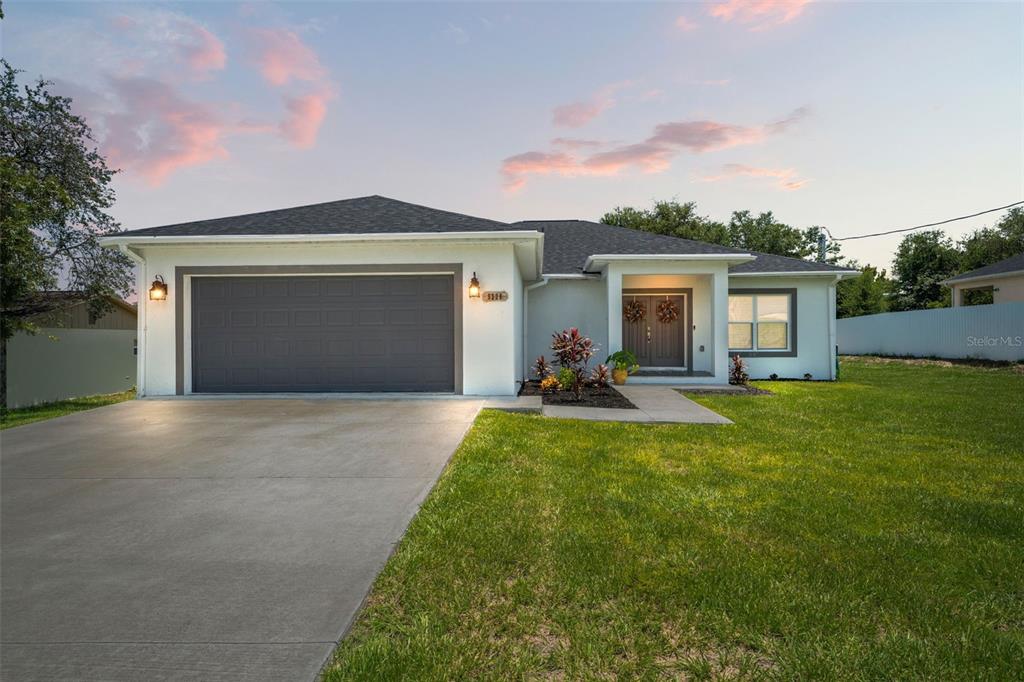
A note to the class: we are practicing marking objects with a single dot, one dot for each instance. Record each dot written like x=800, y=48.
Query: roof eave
x=572, y=275
x=727, y=258
x=798, y=273
x=998, y=275
x=127, y=239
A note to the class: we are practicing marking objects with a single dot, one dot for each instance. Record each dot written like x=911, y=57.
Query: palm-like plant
x=541, y=367
x=573, y=351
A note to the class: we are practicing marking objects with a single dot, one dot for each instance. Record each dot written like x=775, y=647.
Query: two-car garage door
x=323, y=333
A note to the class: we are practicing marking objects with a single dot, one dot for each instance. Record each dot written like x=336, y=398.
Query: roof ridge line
x=256, y=213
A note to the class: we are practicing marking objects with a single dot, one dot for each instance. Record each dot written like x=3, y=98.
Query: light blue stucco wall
x=815, y=298
x=702, y=324
x=583, y=303
x=561, y=304
x=517, y=312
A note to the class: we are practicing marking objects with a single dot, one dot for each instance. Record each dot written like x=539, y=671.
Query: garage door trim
x=181, y=272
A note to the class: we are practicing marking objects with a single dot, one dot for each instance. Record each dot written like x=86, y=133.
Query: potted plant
x=623, y=364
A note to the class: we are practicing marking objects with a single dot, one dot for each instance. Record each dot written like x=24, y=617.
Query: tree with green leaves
x=992, y=244
x=923, y=260
x=53, y=208
x=765, y=234
x=762, y=233
x=670, y=218
x=866, y=294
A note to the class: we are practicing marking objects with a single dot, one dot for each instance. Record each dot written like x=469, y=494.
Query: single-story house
x=1004, y=279
x=374, y=294
x=73, y=353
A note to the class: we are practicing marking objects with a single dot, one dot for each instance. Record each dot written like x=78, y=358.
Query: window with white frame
x=760, y=322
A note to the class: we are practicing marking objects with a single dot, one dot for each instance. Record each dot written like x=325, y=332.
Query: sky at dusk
x=857, y=116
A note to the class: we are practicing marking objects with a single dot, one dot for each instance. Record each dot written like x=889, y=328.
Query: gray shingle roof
x=568, y=244
x=1011, y=264
x=364, y=215
x=769, y=262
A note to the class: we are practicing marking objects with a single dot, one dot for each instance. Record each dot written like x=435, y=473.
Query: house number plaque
x=494, y=296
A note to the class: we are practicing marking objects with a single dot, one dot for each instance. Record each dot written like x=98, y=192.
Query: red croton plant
x=573, y=351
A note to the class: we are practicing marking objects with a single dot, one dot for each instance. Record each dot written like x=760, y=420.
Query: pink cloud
x=156, y=131
x=169, y=42
x=647, y=156
x=685, y=24
x=576, y=143
x=204, y=52
x=578, y=114
x=758, y=14
x=124, y=22
x=305, y=115
x=786, y=177
x=707, y=136
x=282, y=57
x=146, y=116
x=653, y=155
x=516, y=168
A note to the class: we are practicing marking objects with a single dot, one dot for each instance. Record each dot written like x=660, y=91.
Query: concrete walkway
x=655, y=404
x=206, y=539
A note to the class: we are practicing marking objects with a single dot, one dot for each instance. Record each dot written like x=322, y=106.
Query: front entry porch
x=656, y=327
x=681, y=373
x=672, y=317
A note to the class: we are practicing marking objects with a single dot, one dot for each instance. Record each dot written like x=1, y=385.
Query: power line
x=921, y=227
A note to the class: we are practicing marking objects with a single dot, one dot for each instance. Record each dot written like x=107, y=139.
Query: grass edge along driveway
x=865, y=529
x=19, y=416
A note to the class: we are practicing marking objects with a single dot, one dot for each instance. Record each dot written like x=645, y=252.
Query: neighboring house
x=1004, y=279
x=73, y=354
x=373, y=294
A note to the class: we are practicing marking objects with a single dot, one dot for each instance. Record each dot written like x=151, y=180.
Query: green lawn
x=869, y=529
x=26, y=415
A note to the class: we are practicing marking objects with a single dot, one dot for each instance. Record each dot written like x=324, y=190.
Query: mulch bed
x=592, y=397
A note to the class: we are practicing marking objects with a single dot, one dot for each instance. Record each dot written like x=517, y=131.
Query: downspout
x=833, y=337
x=140, y=309
x=526, y=317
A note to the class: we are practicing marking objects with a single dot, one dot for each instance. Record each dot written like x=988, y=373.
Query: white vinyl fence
x=990, y=332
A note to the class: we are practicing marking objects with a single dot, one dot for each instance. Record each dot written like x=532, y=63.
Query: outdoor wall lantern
x=474, y=287
x=158, y=291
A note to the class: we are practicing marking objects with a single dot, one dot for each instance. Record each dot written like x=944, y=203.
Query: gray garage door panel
x=353, y=333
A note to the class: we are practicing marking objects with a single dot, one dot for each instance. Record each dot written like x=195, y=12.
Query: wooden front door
x=656, y=343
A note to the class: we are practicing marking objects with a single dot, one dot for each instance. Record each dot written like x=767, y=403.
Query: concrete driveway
x=206, y=539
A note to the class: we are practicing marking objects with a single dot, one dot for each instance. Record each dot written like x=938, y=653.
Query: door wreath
x=634, y=311
x=668, y=312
